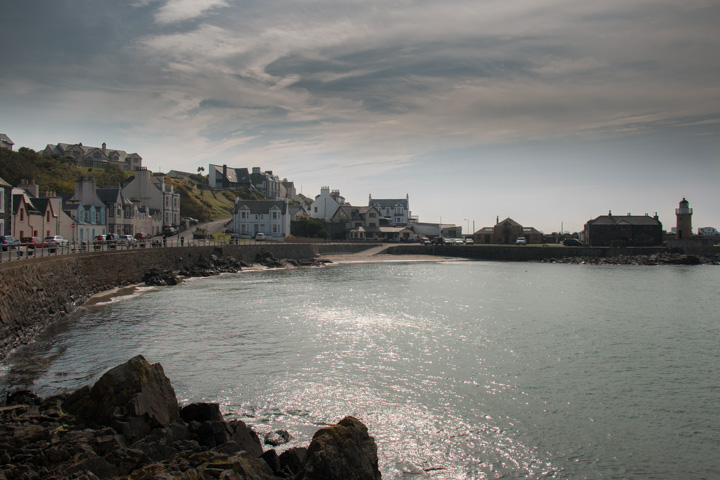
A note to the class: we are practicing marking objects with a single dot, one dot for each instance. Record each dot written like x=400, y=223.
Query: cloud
x=180, y=10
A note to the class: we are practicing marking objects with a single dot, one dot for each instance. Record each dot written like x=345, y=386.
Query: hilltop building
x=624, y=230
x=96, y=157
x=5, y=142
x=222, y=176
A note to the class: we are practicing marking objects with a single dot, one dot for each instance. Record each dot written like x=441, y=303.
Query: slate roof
x=260, y=207
x=510, y=221
x=6, y=140
x=63, y=148
x=234, y=175
x=3, y=183
x=389, y=202
x=624, y=220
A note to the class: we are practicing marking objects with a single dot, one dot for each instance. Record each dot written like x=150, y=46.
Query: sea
x=459, y=369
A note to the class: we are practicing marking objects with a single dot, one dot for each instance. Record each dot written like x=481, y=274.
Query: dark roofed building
x=269, y=217
x=5, y=142
x=96, y=157
x=507, y=232
x=624, y=230
x=397, y=210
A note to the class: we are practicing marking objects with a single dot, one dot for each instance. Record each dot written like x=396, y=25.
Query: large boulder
x=342, y=452
x=136, y=394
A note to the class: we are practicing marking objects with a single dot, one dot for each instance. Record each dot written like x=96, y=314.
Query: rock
x=272, y=459
x=276, y=438
x=292, y=459
x=201, y=412
x=155, y=277
x=342, y=452
x=210, y=434
x=245, y=437
x=136, y=393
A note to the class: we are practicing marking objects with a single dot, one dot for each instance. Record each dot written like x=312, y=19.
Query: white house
x=397, y=211
x=326, y=204
x=269, y=217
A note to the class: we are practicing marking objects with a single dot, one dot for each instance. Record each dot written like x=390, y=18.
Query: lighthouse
x=684, y=220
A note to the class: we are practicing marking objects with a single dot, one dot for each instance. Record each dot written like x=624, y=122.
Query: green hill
x=59, y=174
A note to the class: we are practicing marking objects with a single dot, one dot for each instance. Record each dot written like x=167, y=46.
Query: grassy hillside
x=58, y=175
x=53, y=174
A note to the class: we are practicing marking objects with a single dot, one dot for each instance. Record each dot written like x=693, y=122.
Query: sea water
x=472, y=370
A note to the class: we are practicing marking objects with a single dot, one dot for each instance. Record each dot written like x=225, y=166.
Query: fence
x=24, y=251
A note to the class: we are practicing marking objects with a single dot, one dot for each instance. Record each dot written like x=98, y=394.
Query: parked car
x=469, y=241
x=521, y=241
x=424, y=241
x=127, y=240
x=572, y=242
x=9, y=242
x=56, y=241
x=169, y=231
x=259, y=236
x=33, y=242
x=141, y=236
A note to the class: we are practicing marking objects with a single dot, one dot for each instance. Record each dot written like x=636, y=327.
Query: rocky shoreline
x=129, y=426
x=215, y=265
x=655, y=259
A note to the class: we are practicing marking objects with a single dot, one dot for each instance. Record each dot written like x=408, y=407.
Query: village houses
x=271, y=218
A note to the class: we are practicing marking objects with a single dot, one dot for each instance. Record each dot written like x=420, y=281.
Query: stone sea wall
x=529, y=253
x=37, y=291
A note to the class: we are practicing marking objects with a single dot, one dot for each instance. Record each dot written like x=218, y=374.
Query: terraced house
x=97, y=157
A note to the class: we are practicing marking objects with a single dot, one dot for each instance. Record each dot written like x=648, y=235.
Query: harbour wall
x=527, y=253
x=37, y=291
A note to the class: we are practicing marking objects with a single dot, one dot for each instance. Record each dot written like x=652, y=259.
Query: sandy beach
x=376, y=255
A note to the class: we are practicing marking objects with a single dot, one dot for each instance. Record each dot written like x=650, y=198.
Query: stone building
x=624, y=230
x=507, y=232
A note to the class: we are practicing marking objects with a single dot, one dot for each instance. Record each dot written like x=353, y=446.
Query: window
x=47, y=215
x=372, y=215
x=274, y=215
x=2, y=202
x=22, y=215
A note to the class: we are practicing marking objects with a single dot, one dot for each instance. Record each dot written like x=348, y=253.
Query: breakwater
x=528, y=253
x=37, y=291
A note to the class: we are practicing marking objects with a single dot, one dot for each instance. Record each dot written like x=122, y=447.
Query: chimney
x=104, y=149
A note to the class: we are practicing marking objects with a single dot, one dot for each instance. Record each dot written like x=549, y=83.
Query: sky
x=551, y=112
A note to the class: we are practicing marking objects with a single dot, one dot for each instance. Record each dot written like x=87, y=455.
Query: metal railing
x=29, y=251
